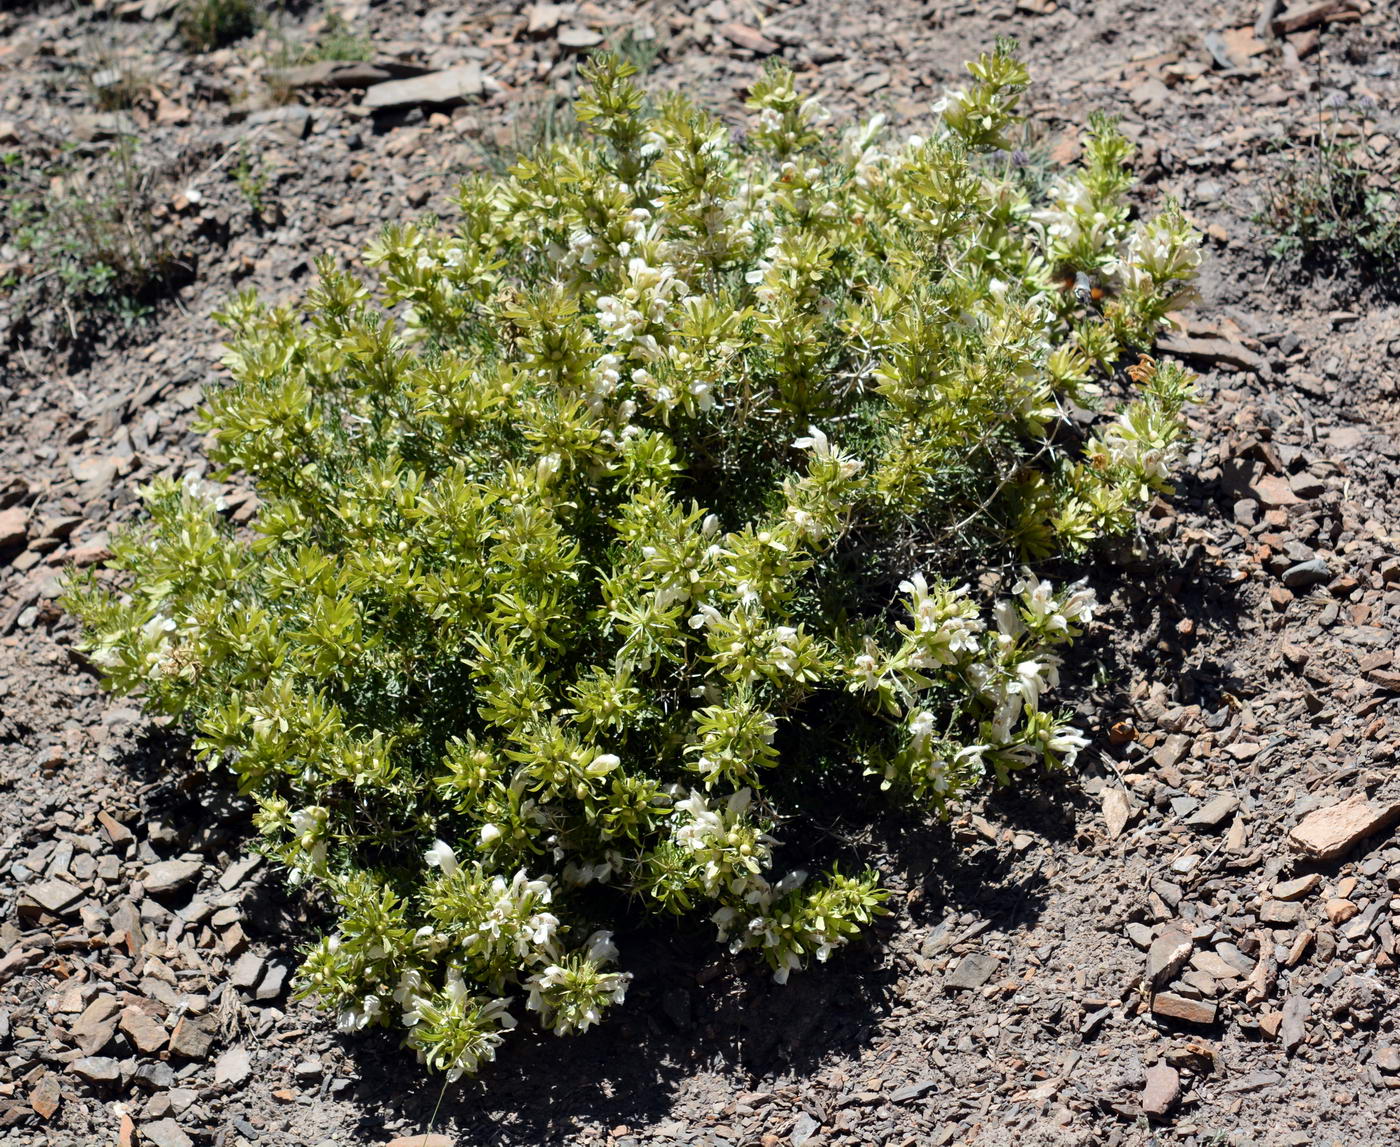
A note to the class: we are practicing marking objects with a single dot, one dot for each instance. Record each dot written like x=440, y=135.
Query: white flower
x=600, y=948
x=816, y=441
x=490, y=833
x=440, y=855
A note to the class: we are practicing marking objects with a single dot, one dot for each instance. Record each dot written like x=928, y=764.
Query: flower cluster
x=666, y=471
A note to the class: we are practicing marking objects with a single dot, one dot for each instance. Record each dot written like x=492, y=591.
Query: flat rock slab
x=193, y=1037
x=170, y=875
x=1298, y=888
x=96, y=1069
x=1117, y=811
x=165, y=1133
x=347, y=73
x=1168, y=953
x=233, y=1066
x=1174, y=1007
x=14, y=527
x=1328, y=833
x=1214, y=812
x=56, y=896
x=1293, y=1028
x=45, y=1096
x=972, y=972
x=435, y=1139
x=444, y=87
x=1280, y=913
x=1162, y=1090
x=913, y=1091
x=1213, y=350
x=146, y=1032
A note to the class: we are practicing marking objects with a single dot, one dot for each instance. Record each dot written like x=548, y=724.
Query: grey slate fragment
x=1293, y=1029
x=1307, y=573
x=913, y=1091
x=1214, y=812
x=170, y=875
x=56, y=896
x=347, y=73
x=273, y=982
x=804, y=1133
x=443, y=87
x=96, y=1069
x=165, y=1133
x=973, y=970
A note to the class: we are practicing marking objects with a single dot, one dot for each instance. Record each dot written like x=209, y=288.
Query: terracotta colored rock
x=1339, y=911
x=432, y=1139
x=14, y=527
x=1272, y=491
x=1173, y=1007
x=1162, y=1091
x=1327, y=833
x=46, y=1096
x=146, y=1032
x=1296, y=889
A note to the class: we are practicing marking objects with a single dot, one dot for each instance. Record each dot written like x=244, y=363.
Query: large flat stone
x=1174, y=1007
x=1328, y=833
x=170, y=875
x=972, y=972
x=1168, y=953
x=55, y=896
x=443, y=87
x=1162, y=1090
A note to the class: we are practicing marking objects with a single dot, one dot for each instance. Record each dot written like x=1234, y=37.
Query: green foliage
x=88, y=234
x=1335, y=207
x=204, y=25
x=339, y=41
x=638, y=502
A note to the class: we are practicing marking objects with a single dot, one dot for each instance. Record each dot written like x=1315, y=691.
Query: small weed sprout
x=204, y=25
x=251, y=179
x=339, y=41
x=634, y=512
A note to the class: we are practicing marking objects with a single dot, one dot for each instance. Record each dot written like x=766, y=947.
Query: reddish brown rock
x=1339, y=911
x=1173, y=1007
x=1162, y=1090
x=14, y=527
x=45, y=1096
x=146, y=1033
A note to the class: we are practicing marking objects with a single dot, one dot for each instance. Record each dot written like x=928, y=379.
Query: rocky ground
x=1193, y=941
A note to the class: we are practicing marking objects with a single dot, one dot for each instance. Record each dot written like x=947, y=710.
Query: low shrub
x=87, y=242
x=1333, y=208
x=645, y=498
x=204, y=25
